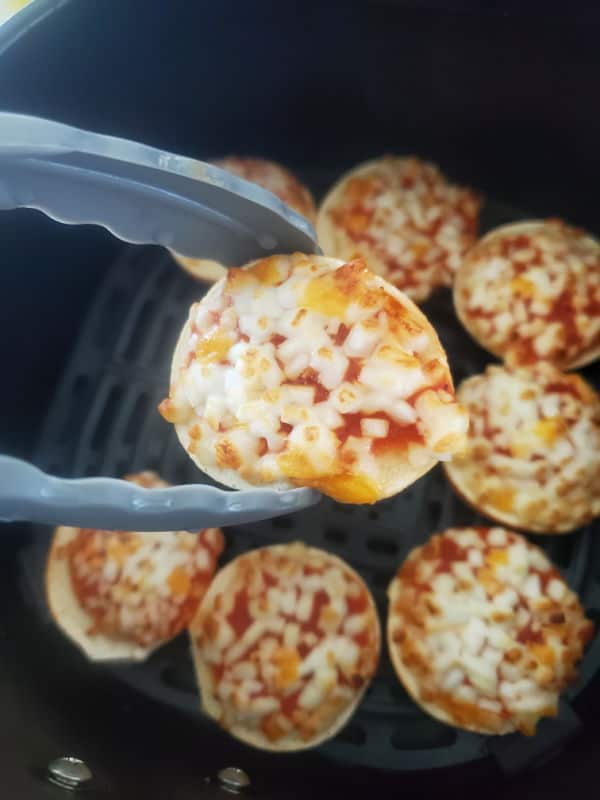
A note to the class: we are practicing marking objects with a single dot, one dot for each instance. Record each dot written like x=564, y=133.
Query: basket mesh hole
x=345, y=509
x=459, y=372
x=112, y=317
x=178, y=676
x=594, y=615
x=122, y=468
x=180, y=473
x=435, y=509
x=233, y=547
x=385, y=506
x=385, y=547
x=55, y=467
x=137, y=340
x=163, y=282
x=353, y=734
x=283, y=523
x=189, y=288
x=560, y=549
x=71, y=429
x=165, y=344
x=399, y=693
x=422, y=733
x=92, y=468
x=336, y=535
x=136, y=419
x=380, y=579
x=108, y=416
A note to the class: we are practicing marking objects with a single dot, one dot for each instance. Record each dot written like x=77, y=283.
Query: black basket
x=103, y=421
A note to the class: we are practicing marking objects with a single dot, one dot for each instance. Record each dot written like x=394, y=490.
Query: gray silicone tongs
x=145, y=196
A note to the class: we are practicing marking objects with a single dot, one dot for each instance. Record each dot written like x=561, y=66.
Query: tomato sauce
x=397, y=438
x=270, y=580
x=546, y=576
x=564, y=313
x=563, y=388
x=310, y=378
x=320, y=600
x=239, y=617
x=353, y=371
x=592, y=307
x=528, y=636
x=341, y=335
x=521, y=242
x=289, y=703
x=449, y=553
x=357, y=604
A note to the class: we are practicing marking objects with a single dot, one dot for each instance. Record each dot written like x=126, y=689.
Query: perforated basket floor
x=103, y=421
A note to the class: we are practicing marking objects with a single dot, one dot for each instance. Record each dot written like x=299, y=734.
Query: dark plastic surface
x=104, y=421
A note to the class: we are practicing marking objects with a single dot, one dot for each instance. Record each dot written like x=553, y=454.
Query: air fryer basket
x=103, y=421
x=503, y=97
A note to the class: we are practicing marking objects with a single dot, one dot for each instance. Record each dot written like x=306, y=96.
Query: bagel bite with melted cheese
x=530, y=291
x=285, y=644
x=118, y=595
x=405, y=218
x=483, y=631
x=307, y=371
